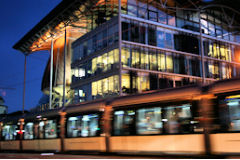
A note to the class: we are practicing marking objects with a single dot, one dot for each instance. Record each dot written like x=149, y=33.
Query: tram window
x=178, y=119
x=74, y=126
x=89, y=125
x=149, y=121
x=124, y=122
x=28, y=134
x=229, y=113
x=83, y=126
x=51, y=129
x=9, y=132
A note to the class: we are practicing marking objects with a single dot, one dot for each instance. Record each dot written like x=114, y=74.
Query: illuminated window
x=111, y=85
x=169, y=60
x=116, y=56
x=111, y=59
x=51, y=129
x=143, y=82
x=105, y=62
x=149, y=121
x=105, y=85
x=28, y=134
x=9, y=132
x=83, y=126
x=153, y=60
x=116, y=83
x=94, y=65
x=177, y=119
x=125, y=57
x=126, y=83
x=135, y=58
x=161, y=62
x=144, y=59
x=99, y=88
x=229, y=113
x=94, y=88
x=124, y=122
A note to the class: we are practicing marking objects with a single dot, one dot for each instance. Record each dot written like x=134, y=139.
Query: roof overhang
x=68, y=11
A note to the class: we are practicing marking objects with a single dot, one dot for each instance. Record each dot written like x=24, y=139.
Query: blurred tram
x=192, y=120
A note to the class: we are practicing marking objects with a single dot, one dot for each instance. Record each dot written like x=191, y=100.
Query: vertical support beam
x=64, y=65
x=36, y=133
x=206, y=121
x=201, y=47
x=24, y=83
x=21, y=127
x=120, y=46
x=106, y=121
x=1, y=125
x=51, y=75
x=62, y=129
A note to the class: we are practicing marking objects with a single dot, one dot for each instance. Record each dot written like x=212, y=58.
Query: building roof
x=65, y=11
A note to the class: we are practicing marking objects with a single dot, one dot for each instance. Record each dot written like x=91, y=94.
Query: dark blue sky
x=17, y=18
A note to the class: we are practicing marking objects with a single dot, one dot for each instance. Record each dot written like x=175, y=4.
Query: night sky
x=17, y=18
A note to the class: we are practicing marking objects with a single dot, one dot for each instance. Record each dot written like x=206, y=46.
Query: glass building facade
x=152, y=46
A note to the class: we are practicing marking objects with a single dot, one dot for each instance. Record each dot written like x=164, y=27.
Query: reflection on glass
x=51, y=129
x=105, y=87
x=28, y=134
x=149, y=121
x=9, y=132
x=124, y=122
x=229, y=113
x=83, y=126
x=177, y=119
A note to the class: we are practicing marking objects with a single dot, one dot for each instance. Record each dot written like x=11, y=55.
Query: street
x=83, y=156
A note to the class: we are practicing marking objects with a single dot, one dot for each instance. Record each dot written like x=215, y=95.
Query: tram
x=193, y=120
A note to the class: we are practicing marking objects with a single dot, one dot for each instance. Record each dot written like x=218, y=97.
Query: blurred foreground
x=74, y=156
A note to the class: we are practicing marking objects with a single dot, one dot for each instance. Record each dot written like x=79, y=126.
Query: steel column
x=120, y=46
x=64, y=65
x=201, y=47
x=51, y=75
x=24, y=83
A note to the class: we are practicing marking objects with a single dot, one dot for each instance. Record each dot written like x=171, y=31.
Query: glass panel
x=124, y=122
x=169, y=61
x=28, y=134
x=74, y=126
x=229, y=113
x=9, y=132
x=160, y=38
x=126, y=83
x=135, y=58
x=83, y=125
x=134, y=31
x=149, y=121
x=161, y=62
x=51, y=129
x=177, y=119
x=126, y=57
x=152, y=35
